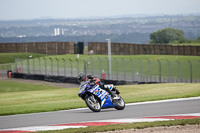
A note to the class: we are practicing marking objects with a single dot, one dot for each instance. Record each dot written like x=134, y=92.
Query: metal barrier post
x=77, y=65
x=45, y=65
x=33, y=66
x=141, y=71
x=39, y=65
x=57, y=66
x=169, y=72
x=22, y=65
x=117, y=66
x=190, y=63
x=150, y=70
x=85, y=67
x=124, y=68
x=92, y=64
x=132, y=68
x=64, y=63
x=28, y=67
x=15, y=63
x=107, y=67
x=71, y=67
x=51, y=65
x=179, y=72
x=160, y=70
x=100, y=61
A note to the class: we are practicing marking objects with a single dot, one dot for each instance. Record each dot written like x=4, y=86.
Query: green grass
x=151, y=92
x=10, y=86
x=118, y=127
x=21, y=98
x=195, y=43
x=10, y=57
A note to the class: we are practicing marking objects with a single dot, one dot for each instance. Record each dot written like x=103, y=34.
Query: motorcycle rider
x=90, y=80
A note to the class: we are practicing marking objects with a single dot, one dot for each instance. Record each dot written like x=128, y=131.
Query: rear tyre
x=119, y=103
x=93, y=103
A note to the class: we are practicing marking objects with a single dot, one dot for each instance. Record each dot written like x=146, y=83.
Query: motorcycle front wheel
x=93, y=103
x=119, y=103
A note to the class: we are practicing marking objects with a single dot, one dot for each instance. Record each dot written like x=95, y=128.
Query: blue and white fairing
x=103, y=95
x=96, y=90
x=83, y=87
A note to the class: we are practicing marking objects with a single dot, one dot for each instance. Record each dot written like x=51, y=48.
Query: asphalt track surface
x=136, y=110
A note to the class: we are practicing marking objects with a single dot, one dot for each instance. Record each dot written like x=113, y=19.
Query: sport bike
x=97, y=98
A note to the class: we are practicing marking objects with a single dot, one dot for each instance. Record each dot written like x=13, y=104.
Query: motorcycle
x=97, y=98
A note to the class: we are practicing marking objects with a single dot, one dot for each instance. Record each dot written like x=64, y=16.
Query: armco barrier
x=63, y=79
x=57, y=79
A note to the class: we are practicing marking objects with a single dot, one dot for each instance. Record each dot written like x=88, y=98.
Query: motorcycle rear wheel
x=93, y=103
x=119, y=103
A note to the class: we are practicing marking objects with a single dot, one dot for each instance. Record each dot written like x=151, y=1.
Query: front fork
x=93, y=99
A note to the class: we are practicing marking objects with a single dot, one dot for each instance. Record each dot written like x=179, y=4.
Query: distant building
x=63, y=32
x=56, y=31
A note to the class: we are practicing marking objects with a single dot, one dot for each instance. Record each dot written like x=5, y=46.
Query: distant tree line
x=169, y=35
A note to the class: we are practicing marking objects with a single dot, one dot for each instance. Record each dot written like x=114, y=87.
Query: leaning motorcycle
x=97, y=98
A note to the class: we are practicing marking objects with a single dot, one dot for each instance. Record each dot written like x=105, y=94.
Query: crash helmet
x=81, y=77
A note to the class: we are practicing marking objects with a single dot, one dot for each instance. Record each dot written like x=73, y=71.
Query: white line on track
x=41, y=128
x=163, y=101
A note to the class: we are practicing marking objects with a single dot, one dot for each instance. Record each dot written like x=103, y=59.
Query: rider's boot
x=112, y=94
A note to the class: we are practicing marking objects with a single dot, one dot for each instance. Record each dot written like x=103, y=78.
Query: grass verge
x=118, y=127
x=21, y=98
x=194, y=43
x=10, y=57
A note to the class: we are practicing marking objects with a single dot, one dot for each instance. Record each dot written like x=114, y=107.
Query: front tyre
x=93, y=103
x=119, y=103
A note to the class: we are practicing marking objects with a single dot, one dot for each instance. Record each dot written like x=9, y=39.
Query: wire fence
x=7, y=66
x=128, y=69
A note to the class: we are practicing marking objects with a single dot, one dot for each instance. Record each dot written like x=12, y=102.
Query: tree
x=167, y=35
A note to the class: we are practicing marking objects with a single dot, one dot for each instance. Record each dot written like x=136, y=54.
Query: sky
x=34, y=9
